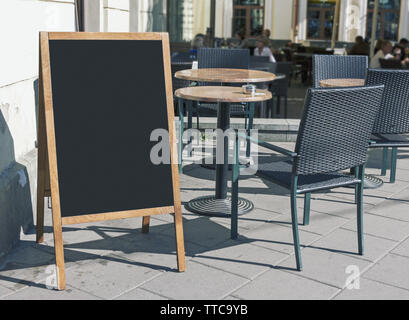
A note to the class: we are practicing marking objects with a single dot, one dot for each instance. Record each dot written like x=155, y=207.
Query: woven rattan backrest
x=223, y=58
x=393, y=115
x=338, y=67
x=335, y=128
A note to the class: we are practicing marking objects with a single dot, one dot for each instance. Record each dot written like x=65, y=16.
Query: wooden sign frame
x=47, y=180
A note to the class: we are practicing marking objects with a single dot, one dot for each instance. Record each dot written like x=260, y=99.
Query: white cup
x=195, y=65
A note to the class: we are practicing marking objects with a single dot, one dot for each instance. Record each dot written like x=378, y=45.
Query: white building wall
x=116, y=15
x=281, y=11
x=20, y=24
x=404, y=20
x=352, y=21
x=302, y=20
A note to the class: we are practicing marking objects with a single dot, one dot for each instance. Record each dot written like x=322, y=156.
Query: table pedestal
x=220, y=204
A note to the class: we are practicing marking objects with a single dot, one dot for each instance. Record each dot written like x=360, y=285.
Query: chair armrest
x=269, y=146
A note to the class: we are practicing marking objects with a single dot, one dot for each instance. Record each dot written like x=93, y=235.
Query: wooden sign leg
x=145, y=224
x=41, y=161
x=180, y=245
x=40, y=199
x=59, y=250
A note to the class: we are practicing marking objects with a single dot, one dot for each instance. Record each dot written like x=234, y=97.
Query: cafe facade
x=297, y=20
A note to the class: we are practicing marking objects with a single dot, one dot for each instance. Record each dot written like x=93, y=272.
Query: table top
x=225, y=75
x=220, y=94
x=333, y=83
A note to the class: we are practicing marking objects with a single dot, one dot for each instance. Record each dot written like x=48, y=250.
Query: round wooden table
x=220, y=203
x=225, y=75
x=371, y=182
x=333, y=83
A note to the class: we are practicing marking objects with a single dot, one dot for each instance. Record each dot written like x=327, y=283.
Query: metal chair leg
x=286, y=107
x=197, y=117
x=189, y=125
x=294, y=222
x=181, y=130
x=235, y=192
x=307, y=202
x=384, y=161
x=249, y=128
x=355, y=171
x=393, y=164
x=360, y=211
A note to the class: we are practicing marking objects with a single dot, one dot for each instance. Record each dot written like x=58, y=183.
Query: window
x=387, y=27
x=187, y=18
x=248, y=17
x=320, y=19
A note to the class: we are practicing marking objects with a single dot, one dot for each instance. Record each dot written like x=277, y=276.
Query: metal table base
x=210, y=206
x=220, y=204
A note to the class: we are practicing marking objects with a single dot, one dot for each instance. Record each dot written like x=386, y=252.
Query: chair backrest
x=336, y=67
x=390, y=64
x=179, y=83
x=280, y=86
x=393, y=117
x=263, y=66
x=182, y=57
x=259, y=59
x=335, y=128
x=288, y=54
x=223, y=58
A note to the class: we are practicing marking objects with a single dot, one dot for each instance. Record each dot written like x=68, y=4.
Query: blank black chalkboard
x=101, y=95
x=108, y=96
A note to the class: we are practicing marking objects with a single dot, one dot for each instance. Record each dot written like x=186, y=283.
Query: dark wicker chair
x=336, y=67
x=279, y=88
x=393, y=118
x=222, y=58
x=263, y=66
x=177, y=84
x=180, y=57
x=331, y=138
x=259, y=59
x=268, y=67
x=390, y=64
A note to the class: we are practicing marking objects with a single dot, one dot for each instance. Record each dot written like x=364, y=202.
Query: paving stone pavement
x=114, y=260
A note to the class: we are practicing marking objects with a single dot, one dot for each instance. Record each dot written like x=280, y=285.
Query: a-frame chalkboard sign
x=100, y=97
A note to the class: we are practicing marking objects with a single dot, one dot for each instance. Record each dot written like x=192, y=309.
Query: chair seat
x=235, y=109
x=281, y=172
x=389, y=140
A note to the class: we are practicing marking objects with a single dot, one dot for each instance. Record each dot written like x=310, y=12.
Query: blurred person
x=208, y=38
x=360, y=47
x=384, y=53
x=197, y=43
x=266, y=33
x=242, y=42
x=402, y=49
x=378, y=46
x=400, y=54
x=262, y=50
